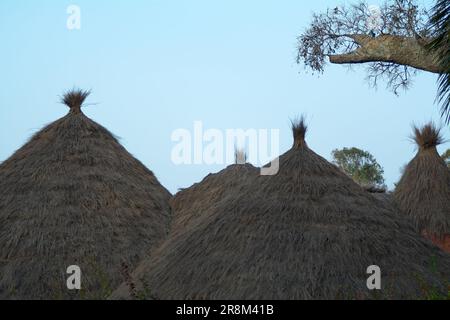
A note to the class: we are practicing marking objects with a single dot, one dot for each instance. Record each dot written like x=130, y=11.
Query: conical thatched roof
x=423, y=192
x=384, y=197
x=200, y=199
x=381, y=194
x=73, y=195
x=307, y=232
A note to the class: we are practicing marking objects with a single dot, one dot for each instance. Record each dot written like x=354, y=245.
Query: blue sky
x=159, y=65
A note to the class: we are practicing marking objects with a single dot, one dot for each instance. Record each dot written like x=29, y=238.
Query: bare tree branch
x=390, y=49
x=392, y=41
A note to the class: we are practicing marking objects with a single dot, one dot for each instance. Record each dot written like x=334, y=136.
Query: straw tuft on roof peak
x=428, y=136
x=75, y=98
x=240, y=156
x=299, y=129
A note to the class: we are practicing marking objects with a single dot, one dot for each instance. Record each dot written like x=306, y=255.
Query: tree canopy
x=446, y=157
x=360, y=165
x=394, y=41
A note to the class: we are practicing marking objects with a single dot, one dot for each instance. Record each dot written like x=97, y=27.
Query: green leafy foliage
x=446, y=157
x=360, y=165
x=440, y=22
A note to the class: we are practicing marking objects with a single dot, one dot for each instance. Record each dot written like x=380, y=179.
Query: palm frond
x=440, y=23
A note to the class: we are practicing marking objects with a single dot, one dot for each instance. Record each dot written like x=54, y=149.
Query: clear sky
x=158, y=65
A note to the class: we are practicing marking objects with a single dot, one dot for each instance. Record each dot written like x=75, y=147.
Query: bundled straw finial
x=240, y=157
x=74, y=99
x=299, y=129
x=428, y=136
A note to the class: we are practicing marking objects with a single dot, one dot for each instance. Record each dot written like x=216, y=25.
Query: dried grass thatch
x=73, y=195
x=308, y=232
x=200, y=199
x=75, y=98
x=429, y=136
x=380, y=193
x=299, y=129
x=423, y=192
x=240, y=156
x=384, y=197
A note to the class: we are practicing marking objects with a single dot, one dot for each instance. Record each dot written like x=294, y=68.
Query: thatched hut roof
x=423, y=192
x=200, y=199
x=308, y=232
x=73, y=195
x=380, y=193
x=384, y=197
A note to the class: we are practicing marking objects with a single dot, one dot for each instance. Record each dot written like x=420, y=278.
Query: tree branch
x=401, y=50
